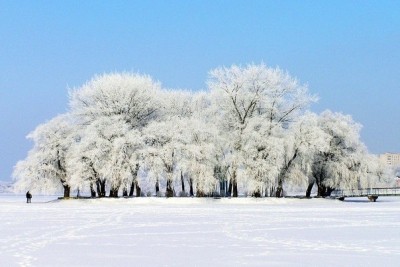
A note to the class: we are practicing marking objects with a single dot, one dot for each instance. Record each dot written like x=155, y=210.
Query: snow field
x=199, y=232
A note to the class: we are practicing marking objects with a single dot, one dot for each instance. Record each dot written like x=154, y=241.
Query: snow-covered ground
x=199, y=232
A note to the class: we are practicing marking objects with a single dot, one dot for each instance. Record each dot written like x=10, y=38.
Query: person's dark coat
x=28, y=197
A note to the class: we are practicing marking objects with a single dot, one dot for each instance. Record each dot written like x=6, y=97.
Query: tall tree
x=112, y=109
x=44, y=169
x=301, y=142
x=254, y=92
x=341, y=164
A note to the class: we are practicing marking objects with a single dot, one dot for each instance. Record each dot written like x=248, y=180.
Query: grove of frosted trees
x=250, y=133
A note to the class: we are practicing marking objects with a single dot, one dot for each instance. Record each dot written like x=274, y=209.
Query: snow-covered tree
x=106, y=154
x=341, y=165
x=180, y=147
x=262, y=153
x=44, y=169
x=302, y=140
x=378, y=173
x=254, y=92
x=162, y=139
x=197, y=155
x=112, y=109
x=159, y=153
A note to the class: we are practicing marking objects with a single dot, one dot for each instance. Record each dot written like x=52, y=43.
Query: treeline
x=249, y=133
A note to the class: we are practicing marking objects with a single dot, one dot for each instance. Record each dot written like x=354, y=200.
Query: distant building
x=391, y=159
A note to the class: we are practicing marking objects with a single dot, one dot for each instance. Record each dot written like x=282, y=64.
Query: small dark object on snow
x=28, y=197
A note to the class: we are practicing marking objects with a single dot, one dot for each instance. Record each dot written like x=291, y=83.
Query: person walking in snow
x=28, y=197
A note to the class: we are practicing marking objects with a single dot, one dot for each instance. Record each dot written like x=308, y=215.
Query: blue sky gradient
x=348, y=52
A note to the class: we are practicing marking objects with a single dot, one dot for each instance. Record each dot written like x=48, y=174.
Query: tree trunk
x=169, y=192
x=138, y=189
x=235, y=189
x=256, y=193
x=67, y=190
x=157, y=187
x=321, y=190
x=134, y=181
x=324, y=191
x=234, y=185
x=132, y=189
x=98, y=188
x=191, y=192
x=125, y=192
x=182, y=182
x=103, y=188
x=279, y=192
x=279, y=189
x=328, y=191
x=114, y=192
x=229, y=192
x=92, y=191
x=309, y=188
x=272, y=191
x=283, y=173
x=222, y=190
x=199, y=192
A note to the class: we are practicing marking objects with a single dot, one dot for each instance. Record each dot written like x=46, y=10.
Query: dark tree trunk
x=324, y=191
x=328, y=191
x=132, y=189
x=256, y=193
x=94, y=184
x=138, y=189
x=283, y=173
x=309, y=188
x=235, y=189
x=92, y=191
x=169, y=192
x=200, y=193
x=279, y=192
x=182, y=182
x=67, y=190
x=134, y=182
x=279, y=189
x=103, y=188
x=191, y=192
x=114, y=192
x=222, y=188
x=229, y=192
x=321, y=190
x=157, y=187
x=234, y=185
x=125, y=192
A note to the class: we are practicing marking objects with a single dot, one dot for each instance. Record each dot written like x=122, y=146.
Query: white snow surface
x=199, y=232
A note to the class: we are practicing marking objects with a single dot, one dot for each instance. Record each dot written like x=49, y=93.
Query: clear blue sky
x=348, y=52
